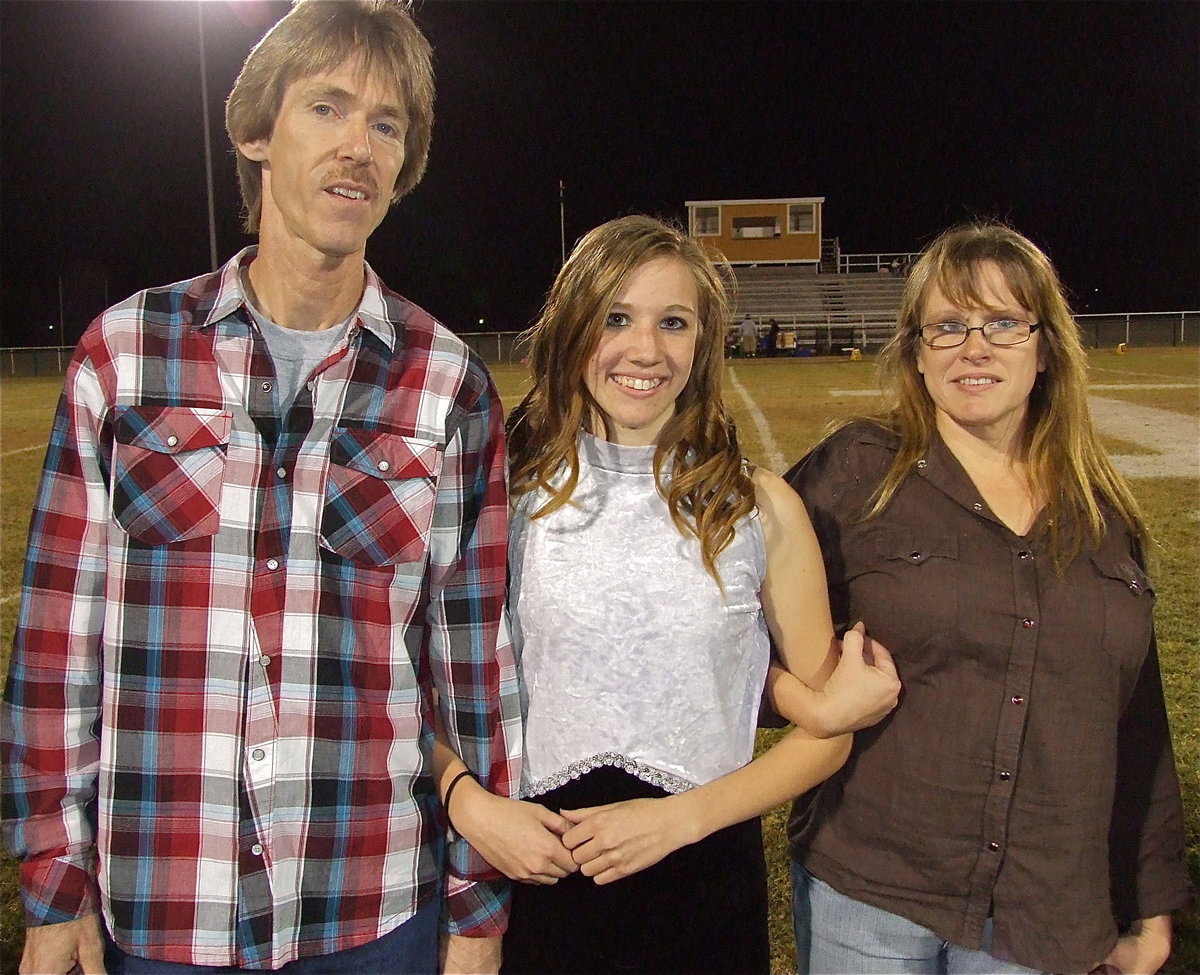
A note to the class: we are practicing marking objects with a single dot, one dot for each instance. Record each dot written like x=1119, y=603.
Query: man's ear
x=255, y=151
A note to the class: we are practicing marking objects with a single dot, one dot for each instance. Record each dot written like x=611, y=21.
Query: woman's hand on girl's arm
x=863, y=689
x=844, y=690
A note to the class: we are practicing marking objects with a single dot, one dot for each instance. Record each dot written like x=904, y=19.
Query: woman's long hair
x=1065, y=461
x=708, y=490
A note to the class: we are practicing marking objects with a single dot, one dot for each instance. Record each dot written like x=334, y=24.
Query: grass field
x=781, y=406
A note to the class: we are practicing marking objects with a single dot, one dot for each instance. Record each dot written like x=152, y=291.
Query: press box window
x=802, y=218
x=755, y=227
x=706, y=221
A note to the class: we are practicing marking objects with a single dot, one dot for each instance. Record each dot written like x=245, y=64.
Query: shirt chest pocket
x=1128, y=607
x=168, y=470
x=904, y=580
x=380, y=495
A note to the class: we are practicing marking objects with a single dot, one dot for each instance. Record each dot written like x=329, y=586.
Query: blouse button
x=978, y=506
x=1024, y=555
x=915, y=556
x=1134, y=585
x=1017, y=699
x=265, y=660
x=258, y=754
x=281, y=472
x=1027, y=623
x=266, y=386
x=922, y=464
x=256, y=849
x=272, y=564
x=1005, y=776
x=384, y=466
x=994, y=846
x=172, y=441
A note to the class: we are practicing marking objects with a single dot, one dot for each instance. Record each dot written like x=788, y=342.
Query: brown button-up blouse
x=1027, y=772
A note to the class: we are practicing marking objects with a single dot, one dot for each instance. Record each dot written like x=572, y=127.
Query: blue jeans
x=836, y=934
x=411, y=949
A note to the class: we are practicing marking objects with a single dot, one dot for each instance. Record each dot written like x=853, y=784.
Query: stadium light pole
x=208, y=165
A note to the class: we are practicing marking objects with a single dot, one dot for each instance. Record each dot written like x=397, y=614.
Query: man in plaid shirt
x=267, y=556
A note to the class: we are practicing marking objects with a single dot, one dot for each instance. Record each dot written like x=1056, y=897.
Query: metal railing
x=802, y=334
x=1134, y=328
x=874, y=263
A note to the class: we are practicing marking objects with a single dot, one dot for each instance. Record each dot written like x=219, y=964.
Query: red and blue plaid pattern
x=233, y=627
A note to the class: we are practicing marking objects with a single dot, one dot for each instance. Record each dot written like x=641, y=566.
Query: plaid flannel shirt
x=235, y=630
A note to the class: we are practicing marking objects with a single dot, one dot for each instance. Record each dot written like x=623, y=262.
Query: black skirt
x=703, y=908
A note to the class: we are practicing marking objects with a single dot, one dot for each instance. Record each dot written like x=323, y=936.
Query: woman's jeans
x=837, y=935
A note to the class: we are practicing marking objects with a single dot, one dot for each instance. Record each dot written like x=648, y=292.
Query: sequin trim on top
x=670, y=783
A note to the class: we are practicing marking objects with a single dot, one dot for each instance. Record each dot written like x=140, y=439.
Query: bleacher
x=825, y=312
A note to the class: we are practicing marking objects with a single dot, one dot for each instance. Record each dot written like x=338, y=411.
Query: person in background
x=650, y=567
x=748, y=336
x=268, y=548
x=772, y=337
x=1019, y=811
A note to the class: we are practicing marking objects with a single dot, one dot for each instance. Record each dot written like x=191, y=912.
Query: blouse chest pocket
x=1128, y=606
x=380, y=495
x=168, y=470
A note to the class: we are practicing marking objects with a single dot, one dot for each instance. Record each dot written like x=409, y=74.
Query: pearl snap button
x=172, y=441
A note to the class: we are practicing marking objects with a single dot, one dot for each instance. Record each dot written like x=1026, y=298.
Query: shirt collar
x=372, y=311
x=944, y=471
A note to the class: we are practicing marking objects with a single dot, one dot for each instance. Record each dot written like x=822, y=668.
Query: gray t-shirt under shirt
x=295, y=353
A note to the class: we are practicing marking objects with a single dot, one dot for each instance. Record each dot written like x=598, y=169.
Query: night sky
x=1077, y=122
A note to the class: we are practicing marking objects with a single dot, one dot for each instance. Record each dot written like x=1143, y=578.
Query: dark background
x=1078, y=122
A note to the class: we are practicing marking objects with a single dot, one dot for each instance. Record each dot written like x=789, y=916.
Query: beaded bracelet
x=450, y=789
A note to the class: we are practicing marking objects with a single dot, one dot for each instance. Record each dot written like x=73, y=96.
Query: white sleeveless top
x=629, y=653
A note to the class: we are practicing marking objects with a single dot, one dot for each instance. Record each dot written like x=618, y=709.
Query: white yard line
x=23, y=450
x=1131, y=372
x=1106, y=387
x=774, y=455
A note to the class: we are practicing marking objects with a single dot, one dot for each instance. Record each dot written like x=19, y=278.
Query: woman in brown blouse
x=1019, y=810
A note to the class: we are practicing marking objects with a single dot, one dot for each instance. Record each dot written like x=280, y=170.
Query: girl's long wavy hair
x=1063, y=455
x=708, y=490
